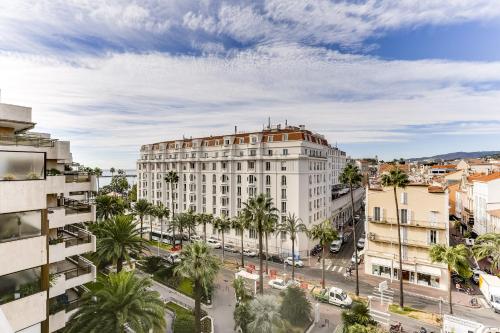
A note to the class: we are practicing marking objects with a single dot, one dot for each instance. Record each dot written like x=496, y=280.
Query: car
x=249, y=253
x=316, y=250
x=361, y=243
x=360, y=257
x=195, y=238
x=277, y=284
x=335, y=246
x=230, y=248
x=214, y=243
x=290, y=262
x=276, y=258
x=173, y=258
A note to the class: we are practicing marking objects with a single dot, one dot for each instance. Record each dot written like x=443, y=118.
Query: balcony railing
x=77, y=178
x=394, y=240
x=76, y=207
x=73, y=236
x=26, y=140
x=80, y=267
x=410, y=223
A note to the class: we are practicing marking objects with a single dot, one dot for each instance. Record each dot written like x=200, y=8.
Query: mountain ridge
x=458, y=155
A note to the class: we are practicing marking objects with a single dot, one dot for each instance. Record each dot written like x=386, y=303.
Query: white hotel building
x=42, y=238
x=217, y=174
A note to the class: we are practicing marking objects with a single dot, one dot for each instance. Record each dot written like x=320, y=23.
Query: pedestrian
x=319, y=257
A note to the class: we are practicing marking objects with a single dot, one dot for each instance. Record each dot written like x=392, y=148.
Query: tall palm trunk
x=205, y=231
x=261, y=273
x=267, y=254
x=142, y=222
x=242, y=256
x=161, y=236
x=197, y=306
x=173, y=214
x=181, y=232
x=354, y=242
x=400, y=271
x=323, y=270
x=150, y=228
x=223, y=246
x=449, y=290
x=119, y=265
x=293, y=257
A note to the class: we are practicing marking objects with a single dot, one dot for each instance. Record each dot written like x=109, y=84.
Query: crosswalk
x=380, y=317
x=337, y=266
x=387, y=296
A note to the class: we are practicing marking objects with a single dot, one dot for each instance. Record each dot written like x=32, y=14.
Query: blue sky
x=394, y=78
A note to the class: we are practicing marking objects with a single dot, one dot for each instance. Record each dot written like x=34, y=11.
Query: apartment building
x=486, y=197
x=43, y=205
x=423, y=212
x=217, y=174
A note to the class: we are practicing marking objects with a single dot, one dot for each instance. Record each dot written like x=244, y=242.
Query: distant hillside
x=458, y=155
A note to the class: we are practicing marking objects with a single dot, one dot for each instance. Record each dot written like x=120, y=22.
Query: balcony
x=22, y=254
x=70, y=241
x=27, y=311
x=70, y=213
x=410, y=223
x=62, y=307
x=80, y=183
x=70, y=273
x=394, y=241
x=26, y=140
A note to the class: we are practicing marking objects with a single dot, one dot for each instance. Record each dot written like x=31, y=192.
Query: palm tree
x=190, y=223
x=98, y=173
x=204, y=219
x=270, y=225
x=257, y=210
x=119, y=240
x=241, y=223
x=455, y=257
x=112, y=170
x=292, y=226
x=359, y=313
x=222, y=224
x=172, y=178
x=350, y=176
x=108, y=206
x=117, y=303
x=200, y=266
x=325, y=234
x=142, y=208
x=121, y=172
x=160, y=212
x=265, y=313
x=396, y=178
x=488, y=245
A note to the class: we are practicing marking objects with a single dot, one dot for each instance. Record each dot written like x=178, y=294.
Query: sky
x=392, y=78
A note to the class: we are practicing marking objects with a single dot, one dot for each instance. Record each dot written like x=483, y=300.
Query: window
x=214, y=200
x=285, y=152
x=283, y=207
x=253, y=139
x=433, y=217
x=283, y=193
x=404, y=216
x=283, y=236
x=214, y=178
x=404, y=198
x=283, y=166
x=377, y=216
x=268, y=166
x=270, y=138
x=203, y=188
x=283, y=180
x=252, y=179
x=268, y=191
x=253, y=152
x=242, y=141
x=433, y=237
x=226, y=142
x=238, y=166
x=251, y=165
x=238, y=203
x=270, y=152
x=203, y=178
x=214, y=166
x=238, y=190
x=285, y=137
x=268, y=180
x=252, y=233
x=238, y=179
x=224, y=165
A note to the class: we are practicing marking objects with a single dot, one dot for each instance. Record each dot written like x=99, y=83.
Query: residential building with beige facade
x=424, y=217
x=43, y=205
x=297, y=168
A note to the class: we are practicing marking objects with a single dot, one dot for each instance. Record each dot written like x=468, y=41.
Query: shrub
x=184, y=323
x=152, y=264
x=295, y=307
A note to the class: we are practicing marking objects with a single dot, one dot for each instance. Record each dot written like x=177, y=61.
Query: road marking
x=380, y=317
x=328, y=268
x=334, y=268
x=340, y=269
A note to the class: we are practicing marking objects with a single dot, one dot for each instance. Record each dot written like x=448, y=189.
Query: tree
x=269, y=227
x=204, y=219
x=121, y=172
x=118, y=302
x=119, y=240
x=119, y=184
x=265, y=313
x=112, y=170
x=292, y=226
x=160, y=212
x=98, y=173
x=325, y=234
x=222, y=224
x=132, y=195
x=190, y=223
x=350, y=176
x=200, y=266
x=396, y=178
x=172, y=178
x=141, y=209
x=108, y=206
x=358, y=328
x=455, y=258
x=357, y=314
x=241, y=223
x=180, y=222
x=488, y=245
x=240, y=290
x=295, y=307
x=242, y=316
x=257, y=210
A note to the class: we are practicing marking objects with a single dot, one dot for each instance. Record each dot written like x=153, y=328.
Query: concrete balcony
x=27, y=311
x=394, y=241
x=71, y=273
x=71, y=183
x=410, y=223
x=21, y=254
x=60, y=312
x=66, y=215
x=71, y=241
x=22, y=195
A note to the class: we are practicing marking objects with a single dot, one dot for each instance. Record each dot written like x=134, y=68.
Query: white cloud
x=112, y=105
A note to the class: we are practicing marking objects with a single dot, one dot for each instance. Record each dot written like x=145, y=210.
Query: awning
x=429, y=270
x=381, y=261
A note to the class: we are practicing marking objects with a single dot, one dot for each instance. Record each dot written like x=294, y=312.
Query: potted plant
x=9, y=176
x=32, y=176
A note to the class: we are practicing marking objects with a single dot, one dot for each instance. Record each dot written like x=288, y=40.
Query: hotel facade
x=297, y=168
x=424, y=219
x=43, y=204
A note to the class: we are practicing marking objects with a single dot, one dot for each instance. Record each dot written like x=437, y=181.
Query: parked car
x=249, y=253
x=277, y=284
x=276, y=258
x=316, y=249
x=230, y=248
x=195, y=238
x=361, y=243
x=360, y=257
x=290, y=262
x=214, y=243
x=173, y=258
x=335, y=246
